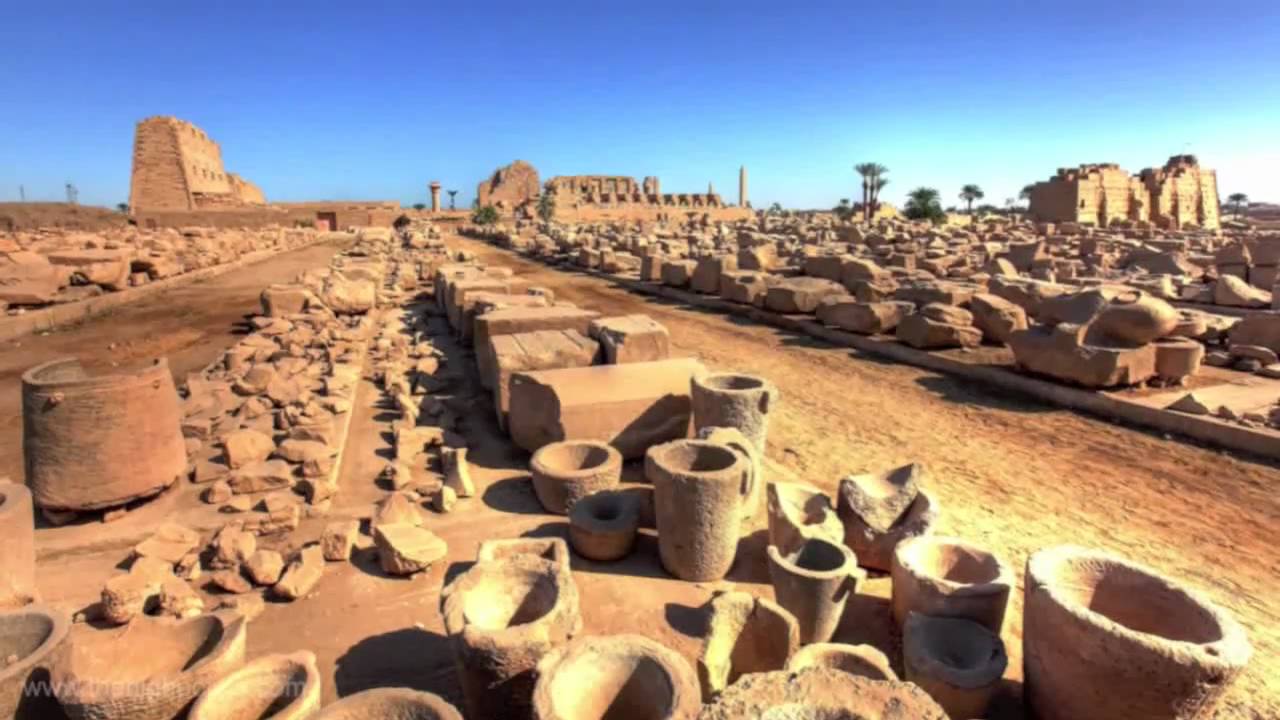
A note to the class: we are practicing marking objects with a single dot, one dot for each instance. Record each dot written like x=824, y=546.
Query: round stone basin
x=30, y=639
x=623, y=677
x=863, y=660
x=693, y=457
x=280, y=687
x=503, y=600
x=730, y=382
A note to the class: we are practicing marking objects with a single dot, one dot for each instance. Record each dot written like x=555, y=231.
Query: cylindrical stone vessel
x=18, y=549
x=950, y=577
x=502, y=617
x=958, y=662
x=603, y=526
x=618, y=676
x=31, y=641
x=390, y=703
x=96, y=442
x=567, y=471
x=1109, y=639
x=862, y=660
x=1178, y=358
x=813, y=582
x=698, y=490
x=736, y=401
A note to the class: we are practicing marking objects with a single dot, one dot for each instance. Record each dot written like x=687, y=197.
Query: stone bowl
x=280, y=687
x=567, y=471
x=820, y=694
x=1107, y=638
x=547, y=548
x=603, y=526
x=390, y=704
x=36, y=636
x=950, y=577
x=862, y=660
x=620, y=676
x=957, y=661
x=150, y=669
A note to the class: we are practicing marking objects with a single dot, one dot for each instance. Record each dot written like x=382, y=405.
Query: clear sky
x=372, y=100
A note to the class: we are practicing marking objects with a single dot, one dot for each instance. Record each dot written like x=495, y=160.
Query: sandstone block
x=339, y=539
x=631, y=338
x=405, y=549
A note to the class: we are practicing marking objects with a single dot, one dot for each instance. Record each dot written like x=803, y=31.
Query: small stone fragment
x=405, y=549
x=264, y=567
x=338, y=539
x=302, y=575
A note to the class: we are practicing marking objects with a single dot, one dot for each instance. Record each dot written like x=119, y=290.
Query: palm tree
x=844, y=210
x=419, y=206
x=1238, y=201
x=1025, y=193
x=969, y=193
x=873, y=181
x=452, y=193
x=923, y=203
x=124, y=207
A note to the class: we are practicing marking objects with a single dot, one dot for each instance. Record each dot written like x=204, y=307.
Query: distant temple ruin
x=509, y=186
x=176, y=166
x=616, y=190
x=1180, y=194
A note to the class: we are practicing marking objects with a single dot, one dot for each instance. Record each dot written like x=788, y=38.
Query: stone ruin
x=261, y=432
x=510, y=186
x=176, y=166
x=1181, y=194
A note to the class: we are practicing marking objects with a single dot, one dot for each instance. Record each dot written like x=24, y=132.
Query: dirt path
x=189, y=325
x=1012, y=473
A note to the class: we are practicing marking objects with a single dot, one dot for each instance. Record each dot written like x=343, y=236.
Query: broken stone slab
x=404, y=549
x=232, y=546
x=1062, y=352
x=262, y=476
x=880, y=499
x=264, y=567
x=800, y=295
x=509, y=321
x=631, y=406
x=396, y=508
x=129, y=595
x=865, y=318
x=1261, y=329
x=996, y=317
x=937, y=327
x=631, y=338
x=246, y=447
x=444, y=500
x=798, y=512
x=170, y=543
x=302, y=575
x=301, y=451
x=178, y=599
x=539, y=350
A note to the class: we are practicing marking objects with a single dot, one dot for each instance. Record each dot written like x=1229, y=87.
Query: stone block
x=631, y=338
x=509, y=321
x=540, y=350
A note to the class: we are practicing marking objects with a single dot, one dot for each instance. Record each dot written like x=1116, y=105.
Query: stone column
x=435, y=196
x=742, y=186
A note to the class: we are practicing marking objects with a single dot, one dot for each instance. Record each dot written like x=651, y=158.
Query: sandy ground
x=1009, y=473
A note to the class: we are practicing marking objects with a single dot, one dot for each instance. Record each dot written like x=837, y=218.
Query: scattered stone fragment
x=178, y=599
x=458, y=472
x=302, y=575
x=245, y=447
x=444, y=500
x=1189, y=404
x=404, y=549
x=231, y=581
x=338, y=539
x=232, y=547
x=264, y=567
x=169, y=543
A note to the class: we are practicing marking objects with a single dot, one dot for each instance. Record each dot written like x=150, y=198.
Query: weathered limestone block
x=279, y=686
x=1062, y=352
x=28, y=278
x=605, y=676
x=283, y=300
x=170, y=543
x=509, y=321
x=1135, y=318
x=651, y=268
x=855, y=270
x=232, y=547
x=706, y=275
x=101, y=676
x=108, y=268
x=631, y=406
x=264, y=567
x=827, y=267
x=745, y=634
x=631, y=338
x=503, y=616
x=950, y=577
x=177, y=599
x=865, y=318
x=678, y=273
x=404, y=549
x=1261, y=329
x=1234, y=292
x=1141, y=644
x=996, y=317
x=800, y=295
x=246, y=447
x=457, y=471
x=540, y=350
x=699, y=488
x=958, y=662
x=939, y=326
x=934, y=292
x=1028, y=294
x=302, y=575
x=262, y=476
x=748, y=288
x=94, y=442
x=32, y=639
x=348, y=296
x=339, y=539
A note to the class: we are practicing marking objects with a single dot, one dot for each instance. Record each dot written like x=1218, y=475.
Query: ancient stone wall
x=509, y=186
x=1181, y=194
x=176, y=166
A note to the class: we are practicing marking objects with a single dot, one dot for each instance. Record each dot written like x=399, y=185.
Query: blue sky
x=372, y=100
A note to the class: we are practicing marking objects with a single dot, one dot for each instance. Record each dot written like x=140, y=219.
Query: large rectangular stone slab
x=539, y=350
x=631, y=338
x=509, y=321
x=631, y=406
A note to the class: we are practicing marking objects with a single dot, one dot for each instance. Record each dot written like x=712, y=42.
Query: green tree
x=775, y=209
x=487, y=215
x=924, y=203
x=124, y=207
x=843, y=211
x=1025, y=193
x=546, y=207
x=1240, y=202
x=873, y=181
x=452, y=194
x=419, y=206
x=402, y=222
x=969, y=193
